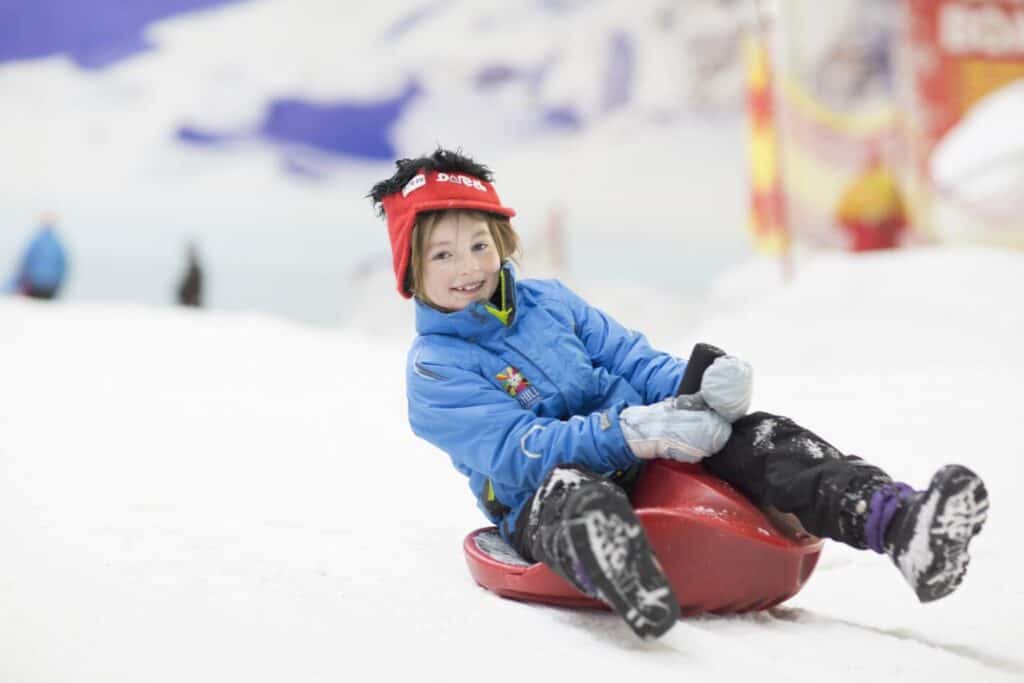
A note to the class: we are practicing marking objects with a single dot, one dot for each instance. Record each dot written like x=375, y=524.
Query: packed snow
x=217, y=496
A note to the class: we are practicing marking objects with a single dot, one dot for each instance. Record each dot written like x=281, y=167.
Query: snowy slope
x=225, y=497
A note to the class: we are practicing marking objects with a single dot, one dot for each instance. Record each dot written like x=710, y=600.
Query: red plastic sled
x=721, y=553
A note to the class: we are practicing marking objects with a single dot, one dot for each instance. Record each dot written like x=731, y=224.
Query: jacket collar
x=473, y=321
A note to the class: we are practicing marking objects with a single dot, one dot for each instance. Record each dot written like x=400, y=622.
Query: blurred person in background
x=871, y=210
x=44, y=264
x=190, y=290
x=551, y=409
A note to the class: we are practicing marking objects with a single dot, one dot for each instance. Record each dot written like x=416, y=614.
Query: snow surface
x=197, y=496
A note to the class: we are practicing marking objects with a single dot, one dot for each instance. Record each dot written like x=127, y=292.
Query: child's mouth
x=469, y=289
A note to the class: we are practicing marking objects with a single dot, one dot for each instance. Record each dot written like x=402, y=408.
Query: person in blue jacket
x=550, y=408
x=44, y=265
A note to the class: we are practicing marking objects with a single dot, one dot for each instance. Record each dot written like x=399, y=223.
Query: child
x=550, y=408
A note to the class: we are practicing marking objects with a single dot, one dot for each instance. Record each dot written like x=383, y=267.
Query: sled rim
x=721, y=553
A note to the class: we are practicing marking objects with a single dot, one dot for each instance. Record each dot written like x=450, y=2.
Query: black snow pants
x=772, y=460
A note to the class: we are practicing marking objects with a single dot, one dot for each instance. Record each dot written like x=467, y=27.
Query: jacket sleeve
x=654, y=374
x=485, y=430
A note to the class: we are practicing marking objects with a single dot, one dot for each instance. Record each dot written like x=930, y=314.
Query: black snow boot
x=927, y=532
x=600, y=547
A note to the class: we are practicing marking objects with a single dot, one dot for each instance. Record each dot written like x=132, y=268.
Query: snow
x=216, y=496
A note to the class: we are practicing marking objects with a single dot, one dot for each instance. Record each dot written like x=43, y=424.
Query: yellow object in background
x=767, y=214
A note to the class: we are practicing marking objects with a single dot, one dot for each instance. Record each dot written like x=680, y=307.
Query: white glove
x=680, y=428
x=728, y=386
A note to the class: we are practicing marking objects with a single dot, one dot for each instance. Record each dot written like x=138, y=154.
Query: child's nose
x=468, y=264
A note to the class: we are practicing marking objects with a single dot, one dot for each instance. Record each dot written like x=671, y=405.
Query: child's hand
x=728, y=386
x=679, y=428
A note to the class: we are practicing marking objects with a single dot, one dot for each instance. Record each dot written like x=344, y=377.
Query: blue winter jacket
x=509, y=403
x=44, y=263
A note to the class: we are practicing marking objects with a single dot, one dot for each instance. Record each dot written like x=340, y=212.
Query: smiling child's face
x=460, y=262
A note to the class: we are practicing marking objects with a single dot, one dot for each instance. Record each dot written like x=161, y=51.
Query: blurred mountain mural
x=93, y=34
x=559, y=65
x=255, y=127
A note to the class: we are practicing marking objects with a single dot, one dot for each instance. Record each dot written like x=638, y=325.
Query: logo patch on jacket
x=517, y=386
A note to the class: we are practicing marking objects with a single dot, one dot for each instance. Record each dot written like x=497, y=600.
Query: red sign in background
x=959, y=51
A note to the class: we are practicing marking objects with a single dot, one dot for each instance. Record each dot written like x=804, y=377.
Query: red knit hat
x=433, y=191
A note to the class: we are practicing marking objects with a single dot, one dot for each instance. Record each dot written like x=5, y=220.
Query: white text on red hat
x=416, y=183
x=459, y=179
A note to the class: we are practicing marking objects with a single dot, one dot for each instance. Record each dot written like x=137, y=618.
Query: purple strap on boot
x=885, y=501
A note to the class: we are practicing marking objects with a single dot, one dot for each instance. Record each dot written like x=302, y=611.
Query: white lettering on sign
x=981, y=29
x=459, y=179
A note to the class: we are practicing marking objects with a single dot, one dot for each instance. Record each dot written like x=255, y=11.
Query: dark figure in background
x=44, y=264
x=190, y=291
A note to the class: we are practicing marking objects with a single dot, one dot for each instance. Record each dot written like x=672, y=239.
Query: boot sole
x=953, y=512
x=616, y=559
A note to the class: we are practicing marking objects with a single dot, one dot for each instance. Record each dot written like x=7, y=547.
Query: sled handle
x=701, y=358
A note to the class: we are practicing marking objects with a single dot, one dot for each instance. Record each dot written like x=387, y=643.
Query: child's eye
x=440, y=256
x=480, y=246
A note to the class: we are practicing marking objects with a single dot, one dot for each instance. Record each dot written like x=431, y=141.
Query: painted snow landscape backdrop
x=257, y=128
x=234, y=494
